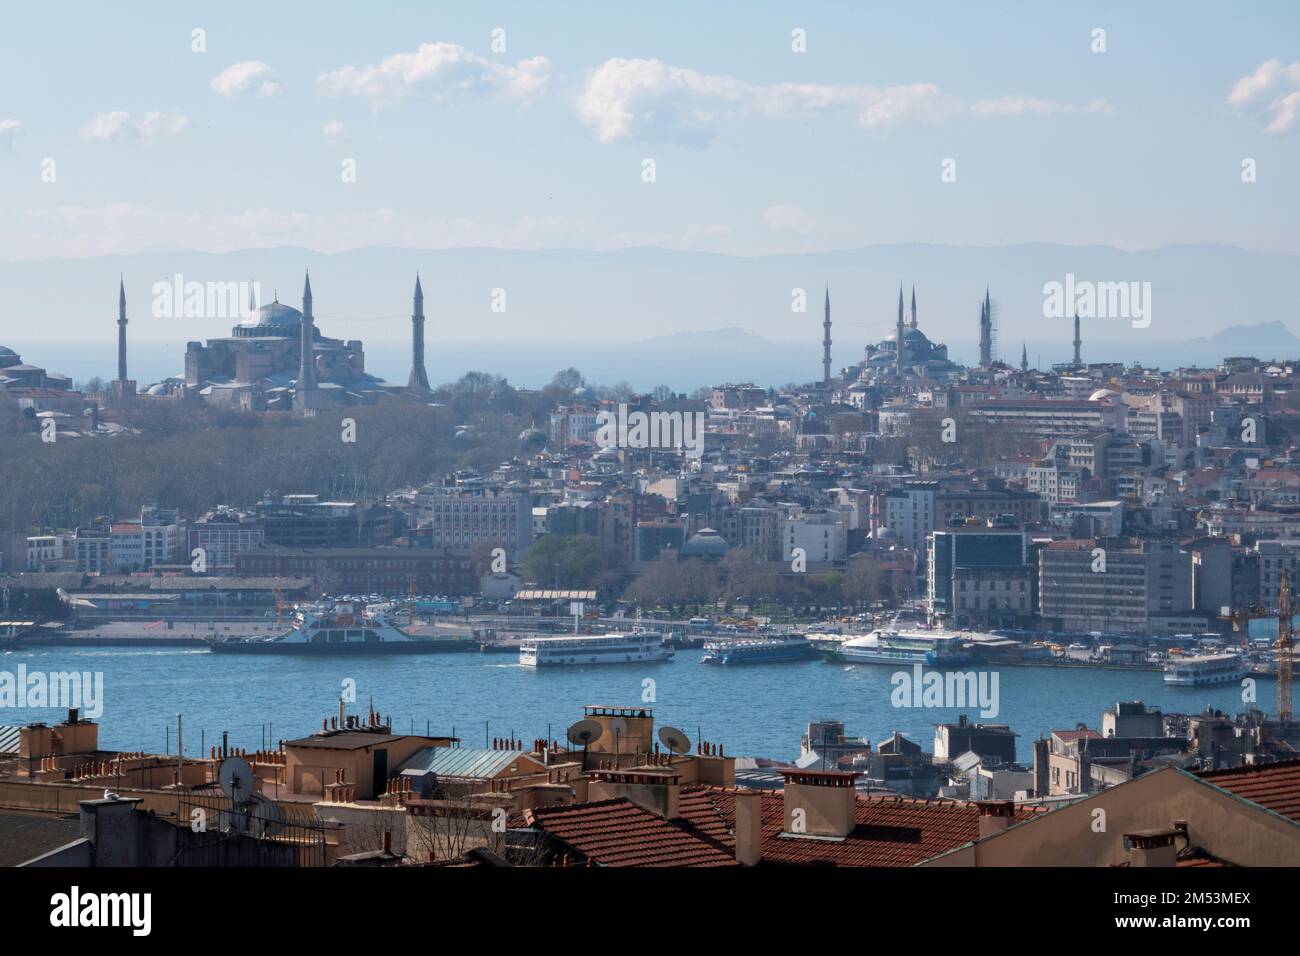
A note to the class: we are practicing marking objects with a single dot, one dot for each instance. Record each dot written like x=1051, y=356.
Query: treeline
x=682, y=584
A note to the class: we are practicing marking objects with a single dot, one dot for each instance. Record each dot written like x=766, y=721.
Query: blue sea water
x=754, y=710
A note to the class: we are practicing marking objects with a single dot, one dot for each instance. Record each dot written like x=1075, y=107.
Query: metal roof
x=464, y=762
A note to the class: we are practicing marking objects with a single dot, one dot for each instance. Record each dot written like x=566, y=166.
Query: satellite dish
x=676, y=741
x=584, y=732
x=237, y=781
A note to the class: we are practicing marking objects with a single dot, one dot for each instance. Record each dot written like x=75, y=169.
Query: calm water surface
x=751, y=710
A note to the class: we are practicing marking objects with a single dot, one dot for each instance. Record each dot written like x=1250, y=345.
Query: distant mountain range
x=708, y=314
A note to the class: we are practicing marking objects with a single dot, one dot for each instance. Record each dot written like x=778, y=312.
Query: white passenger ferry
x=634, y=647
x=1206, y=669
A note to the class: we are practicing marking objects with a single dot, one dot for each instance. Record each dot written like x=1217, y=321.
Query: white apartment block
x=909, y=514
x=823, y=536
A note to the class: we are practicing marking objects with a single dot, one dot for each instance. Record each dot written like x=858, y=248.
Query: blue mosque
x=906, y=353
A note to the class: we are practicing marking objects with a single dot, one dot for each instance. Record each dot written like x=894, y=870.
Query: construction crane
x=1285, y=650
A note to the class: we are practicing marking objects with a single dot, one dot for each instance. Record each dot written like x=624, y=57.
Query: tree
x=564, y=561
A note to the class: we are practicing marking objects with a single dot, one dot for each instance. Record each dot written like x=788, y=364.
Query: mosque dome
x=273, y=319
x=706, y=543
x=910, y=337
x=9, y=357
x=1102, y=394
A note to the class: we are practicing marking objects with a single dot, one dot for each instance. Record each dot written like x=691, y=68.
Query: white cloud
x=9, y=130
x=652, y=100
x=438, y=70
x=118, y=126
x=1271, y=77
x=788, y=218
x=1033, y=106
x=241, y=77
x=332, y=131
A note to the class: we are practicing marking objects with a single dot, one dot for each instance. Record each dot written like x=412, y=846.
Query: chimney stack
x=820, y=803
x=995, y=816
x=1152, y=848
x=749, y=827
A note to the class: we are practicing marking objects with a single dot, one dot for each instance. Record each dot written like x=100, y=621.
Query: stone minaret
x=826, y=341
x=1024, y=358
x=419, y=378
x=121, y=330
x=121, y=388
x=898, y=352
x=913, y=322
x=1078, y=361
x=306, y=388
x=986, y=331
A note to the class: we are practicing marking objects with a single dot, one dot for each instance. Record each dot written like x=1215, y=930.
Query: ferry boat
x=906, y=646
x=633, y=647
x=1206, y=669
x=343, y=627
x=763, y=650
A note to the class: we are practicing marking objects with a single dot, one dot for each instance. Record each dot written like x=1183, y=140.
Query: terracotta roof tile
x=891, y=831
x=1274, y=786
x=620, y=833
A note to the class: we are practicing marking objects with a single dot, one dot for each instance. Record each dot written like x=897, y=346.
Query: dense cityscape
x=605, y=447
x=902, y=511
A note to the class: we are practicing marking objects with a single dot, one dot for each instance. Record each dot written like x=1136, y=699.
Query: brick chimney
x=820, y=803
x=749, y=826
x=1152, y=848
x=995, y=816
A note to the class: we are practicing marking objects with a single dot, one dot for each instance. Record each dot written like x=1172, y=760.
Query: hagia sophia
x=276, y=359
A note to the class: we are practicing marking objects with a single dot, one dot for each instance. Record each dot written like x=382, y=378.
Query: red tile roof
x=891, y=831
x=620, y=833
x=1274, y=786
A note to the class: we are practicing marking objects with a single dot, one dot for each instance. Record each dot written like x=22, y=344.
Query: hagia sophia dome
x=274, y=319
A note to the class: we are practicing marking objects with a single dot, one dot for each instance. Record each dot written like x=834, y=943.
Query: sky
x=531, y=126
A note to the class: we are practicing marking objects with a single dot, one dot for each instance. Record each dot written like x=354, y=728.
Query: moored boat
x=763, y=650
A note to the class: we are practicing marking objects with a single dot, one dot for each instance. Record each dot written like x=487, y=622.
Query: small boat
x=637, y=646
x=342, y=627
x=763, y=650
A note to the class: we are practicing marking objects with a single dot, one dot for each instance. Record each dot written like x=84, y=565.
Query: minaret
x=121, y=329
x=986, y=331
x=1078, y=362
x=913, y=306
x=898, y=351
x=419, y=378
x=122, y=387
x=306, y=388
x=1024, y=358
x=826, y=340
